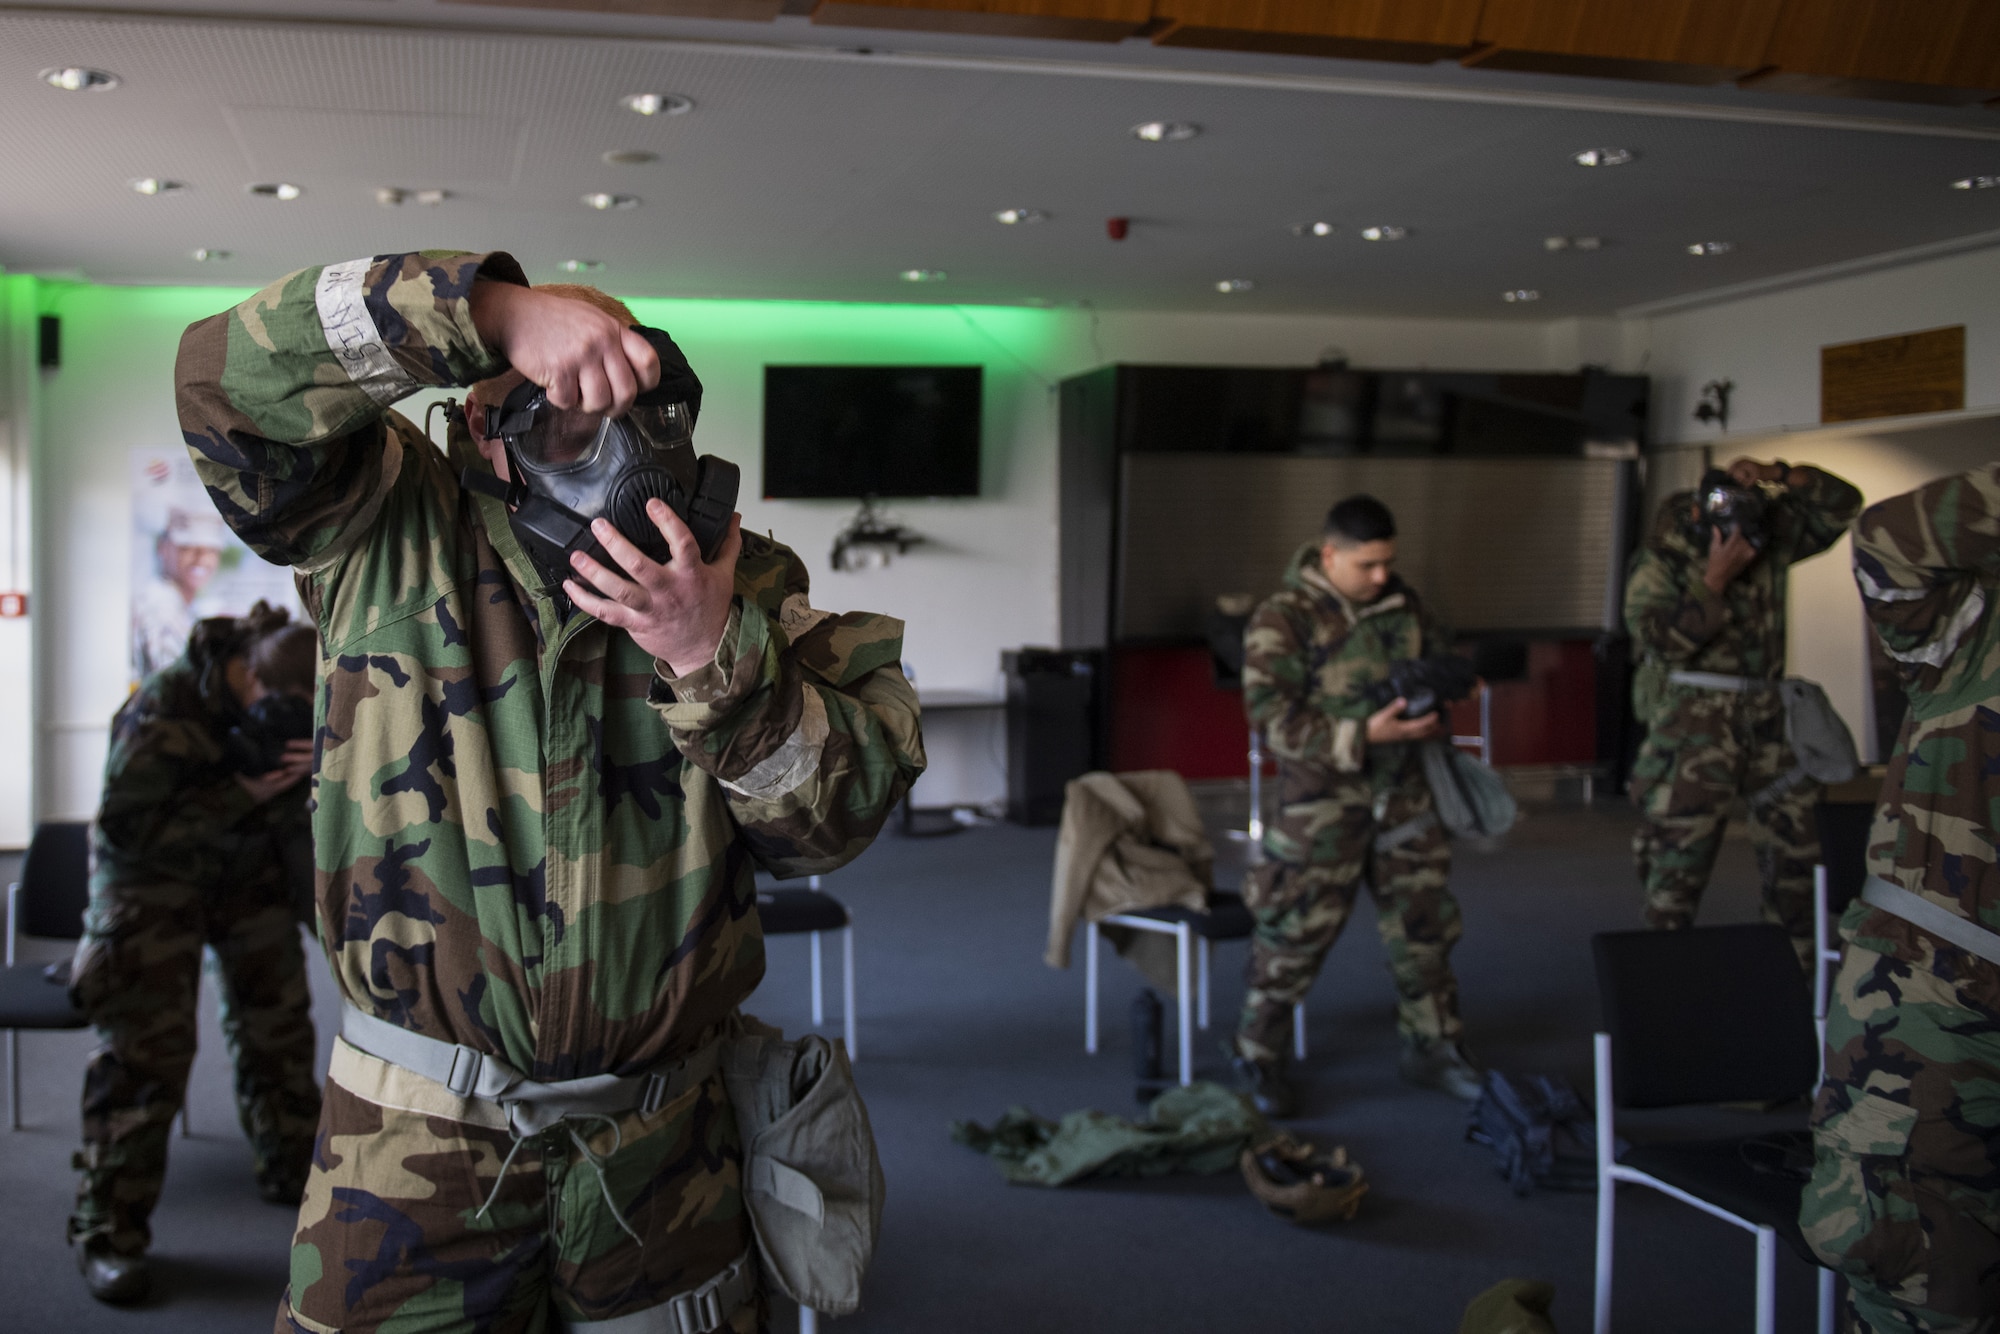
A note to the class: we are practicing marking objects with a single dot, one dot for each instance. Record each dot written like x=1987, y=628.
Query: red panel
x=1167, y=713
x=1551, y=717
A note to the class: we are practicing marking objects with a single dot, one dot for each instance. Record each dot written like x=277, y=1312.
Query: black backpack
x=1540, y=1131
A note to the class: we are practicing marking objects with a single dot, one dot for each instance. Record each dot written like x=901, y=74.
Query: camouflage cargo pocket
x=1871, y=1126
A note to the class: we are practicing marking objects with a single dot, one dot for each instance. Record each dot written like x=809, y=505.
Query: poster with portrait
x=186, y=563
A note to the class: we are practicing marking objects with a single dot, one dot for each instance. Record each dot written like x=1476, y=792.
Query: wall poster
x=186, y=563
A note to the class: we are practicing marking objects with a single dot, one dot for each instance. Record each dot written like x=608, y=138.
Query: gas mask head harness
x=570, y=467
x=1722, y=504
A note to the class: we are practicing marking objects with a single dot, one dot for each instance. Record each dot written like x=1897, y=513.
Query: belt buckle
x=654, y=1095
x=708, y=1306
x=463, y=1076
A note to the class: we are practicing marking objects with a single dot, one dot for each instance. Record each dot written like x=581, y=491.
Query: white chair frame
x=1826, y=958
x=1191, y=955
x=846, y=977
x=1610, y=1173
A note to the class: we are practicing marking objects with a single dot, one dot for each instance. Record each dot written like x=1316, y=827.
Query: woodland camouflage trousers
x=395, y=1236
x=1905, y=1192
x=1317, y=853
x=1702, y=755
x=137, y=975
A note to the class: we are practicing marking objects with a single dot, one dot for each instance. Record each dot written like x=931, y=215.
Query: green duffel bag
x=812, y=1179
x=1472, y=800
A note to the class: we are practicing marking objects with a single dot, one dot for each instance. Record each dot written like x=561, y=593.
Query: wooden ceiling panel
x=1909, y=50
x=1062, y=20
x=1677, y=41
x=1414, y=31
x=741, y=11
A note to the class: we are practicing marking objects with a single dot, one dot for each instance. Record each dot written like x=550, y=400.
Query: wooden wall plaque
x=1893, y=377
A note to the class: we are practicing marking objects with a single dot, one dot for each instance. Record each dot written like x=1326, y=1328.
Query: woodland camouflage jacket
x=172, y=808
x=529, y=839
x=1308, y=656
x=1928, y=563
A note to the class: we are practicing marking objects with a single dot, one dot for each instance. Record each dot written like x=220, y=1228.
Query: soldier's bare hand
x=1387, y=725
x=1749, y=472
x=582, y=357
x=298, y=762
x=1728, y=556
x=675, y=611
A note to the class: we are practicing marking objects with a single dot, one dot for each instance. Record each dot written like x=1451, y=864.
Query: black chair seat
x=1226, y=919
x=1715, y=1170
x=30, y=1000
x=788, y=912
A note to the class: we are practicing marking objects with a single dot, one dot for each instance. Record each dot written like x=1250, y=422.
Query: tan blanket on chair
x=1128, y=841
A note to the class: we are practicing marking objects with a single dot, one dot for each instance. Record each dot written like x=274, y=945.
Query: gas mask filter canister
x=1724, y=504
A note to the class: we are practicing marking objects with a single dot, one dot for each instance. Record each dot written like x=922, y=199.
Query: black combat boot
x=111, y=1277
x=1271, y=1091
x=1443, y=1066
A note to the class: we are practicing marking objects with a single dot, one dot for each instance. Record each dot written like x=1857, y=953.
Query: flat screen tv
x=847, y=432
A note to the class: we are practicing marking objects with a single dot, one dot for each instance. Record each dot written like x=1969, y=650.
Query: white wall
x=986, y=582
x=19, y=386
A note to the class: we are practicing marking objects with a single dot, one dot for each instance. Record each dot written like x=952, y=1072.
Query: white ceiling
x=810, y=171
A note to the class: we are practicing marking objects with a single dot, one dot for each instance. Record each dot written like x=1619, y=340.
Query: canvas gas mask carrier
x=570, y=467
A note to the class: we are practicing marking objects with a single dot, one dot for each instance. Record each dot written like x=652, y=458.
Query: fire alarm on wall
x=13, y=605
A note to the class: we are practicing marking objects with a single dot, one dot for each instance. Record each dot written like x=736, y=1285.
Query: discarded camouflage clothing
x=532, y=839
x=1905, y=1198
x=184, y=857
x=1705, y=747
x=1201, y=1128
x=1347, y=811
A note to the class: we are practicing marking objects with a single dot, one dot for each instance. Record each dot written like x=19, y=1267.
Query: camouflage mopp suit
x=185, y=857
x=1348, y=812
x=1905, y=1194
x=1705, y=747
x=532, y=840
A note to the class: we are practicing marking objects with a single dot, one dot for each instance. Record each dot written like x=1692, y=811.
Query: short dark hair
x=282, y=653
x=1359, y=519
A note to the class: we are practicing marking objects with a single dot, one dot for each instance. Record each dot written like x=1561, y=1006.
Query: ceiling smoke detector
x=604, y=203
x=1554, y=243
x=283, y=190
x=1521, y=294
x=1165, y=131
x=1711, y=247
x=581, y=265
x=388, y=196
x=156, y=185
x=1976, y=183
x=1011, y=216
x=656, y=104
x=1235, y=285
x=630, y=157
x=1382, y=233
x=80, y=79
x=206, y=255
x=1312, y=229
x=1602, y=157
x=922, y=275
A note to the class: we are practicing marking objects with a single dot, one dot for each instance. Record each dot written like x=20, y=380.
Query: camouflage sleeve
x=1920, y=559
x=151, y=814
x=1669, y=614
x=1280, y=697
x=281, y=399
x=1825, y=505
x=804, y=717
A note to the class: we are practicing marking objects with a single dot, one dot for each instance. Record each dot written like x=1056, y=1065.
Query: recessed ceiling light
x=656, y=104
x=79, y=79
x=630, y=157
x=1235, y=285
x=1521, y=294
x=389, y=196
x=1165, y=131
x=1572, y=243
x=156, y=185
x=1010, y=216
x=603, y=202
x=1555, y=243
x=1711, y=247
x=206, y=255
x=581, y=265
x=923, y=275
x=1603, y=157
x=1312, y=229
x=1588, y=242
x=1976, y=183
x=1384, y=233
x=431, y=198
x=284, y=190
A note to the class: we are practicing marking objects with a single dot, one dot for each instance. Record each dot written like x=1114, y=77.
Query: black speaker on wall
x=48, y=351
x=1054, y=704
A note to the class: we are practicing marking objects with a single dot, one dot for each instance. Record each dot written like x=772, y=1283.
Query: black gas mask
x=257, y=744
x=1722, y=503
x=570, y=467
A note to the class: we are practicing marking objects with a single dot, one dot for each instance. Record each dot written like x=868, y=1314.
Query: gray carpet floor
x=960, y=1018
